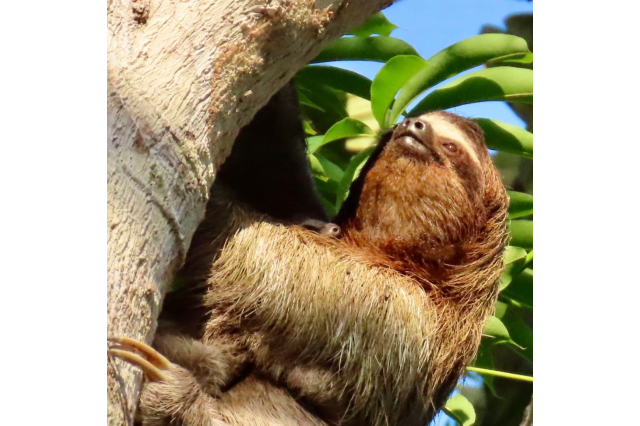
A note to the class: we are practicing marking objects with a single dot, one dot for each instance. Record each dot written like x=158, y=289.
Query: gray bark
x=183, y=77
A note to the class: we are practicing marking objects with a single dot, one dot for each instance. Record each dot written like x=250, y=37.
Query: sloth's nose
x=418, y=128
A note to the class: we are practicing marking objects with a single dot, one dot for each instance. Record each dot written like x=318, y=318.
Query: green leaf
x=316, y=168
x=304, y=100
x=495, y=329
x=453, y=60
x=506, y=137
x=512, y=254
x=320, y=97
x=376, y=49
x=484, y=359
x=514, y=261
x=328, y=206
x=336, y=78
x=351, y=174
x=376, y=24
x=461, y=410
x=347, y=128
x=521, y=204
x=526, y=59
x=520, y=332
x=313, y=142
x=391, y=77
x=501, y=309
x=508, y=273
x=489, y=84
x=307, y=127
x=520, y=290
x=511, y=270
x=514, y=303
x=521, y=233
x=331, y=170
x=326, y=187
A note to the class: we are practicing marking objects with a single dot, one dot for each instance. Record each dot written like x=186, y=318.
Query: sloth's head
x=427, y=194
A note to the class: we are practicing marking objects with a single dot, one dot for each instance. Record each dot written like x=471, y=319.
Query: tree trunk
x=183, y=78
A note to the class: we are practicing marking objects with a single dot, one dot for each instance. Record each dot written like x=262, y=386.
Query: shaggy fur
x=372, y=328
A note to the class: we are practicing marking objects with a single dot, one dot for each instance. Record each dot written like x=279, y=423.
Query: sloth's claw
x=150, y=361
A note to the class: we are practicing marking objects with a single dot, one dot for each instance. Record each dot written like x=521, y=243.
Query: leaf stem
x=528, y=259
x=501, y=374
x=452, y=415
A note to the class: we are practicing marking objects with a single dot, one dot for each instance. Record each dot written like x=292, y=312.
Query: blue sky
x=431, y=25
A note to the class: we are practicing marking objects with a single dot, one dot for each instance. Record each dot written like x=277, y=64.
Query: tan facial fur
x=445, y=129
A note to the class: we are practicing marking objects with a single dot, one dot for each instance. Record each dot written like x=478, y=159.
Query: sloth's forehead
x=446, y=129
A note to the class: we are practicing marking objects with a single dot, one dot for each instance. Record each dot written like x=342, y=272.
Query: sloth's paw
x=171, y=394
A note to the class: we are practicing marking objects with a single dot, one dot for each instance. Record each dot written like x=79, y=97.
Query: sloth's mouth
x=414, y=136
x=414, y=146
x=410, y=141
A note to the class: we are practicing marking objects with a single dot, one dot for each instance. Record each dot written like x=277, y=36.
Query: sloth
x=369, y=319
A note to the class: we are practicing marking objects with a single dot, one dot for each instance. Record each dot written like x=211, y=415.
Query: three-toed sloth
x=279, y=324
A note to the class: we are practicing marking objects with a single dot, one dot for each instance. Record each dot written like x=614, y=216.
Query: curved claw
x=152, y=363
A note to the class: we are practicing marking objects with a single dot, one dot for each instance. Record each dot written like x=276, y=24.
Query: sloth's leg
x=215, y=365
x=171, y=393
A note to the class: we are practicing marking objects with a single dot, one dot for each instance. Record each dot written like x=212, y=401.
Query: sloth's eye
x=450, y=147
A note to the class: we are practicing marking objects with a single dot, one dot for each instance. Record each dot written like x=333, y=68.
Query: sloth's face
x=452, y=144
x=426, y=191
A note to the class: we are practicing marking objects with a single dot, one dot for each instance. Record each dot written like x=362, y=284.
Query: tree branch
x=183, y=78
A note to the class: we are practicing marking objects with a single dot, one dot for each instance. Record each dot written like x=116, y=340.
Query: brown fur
x=374, y=328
